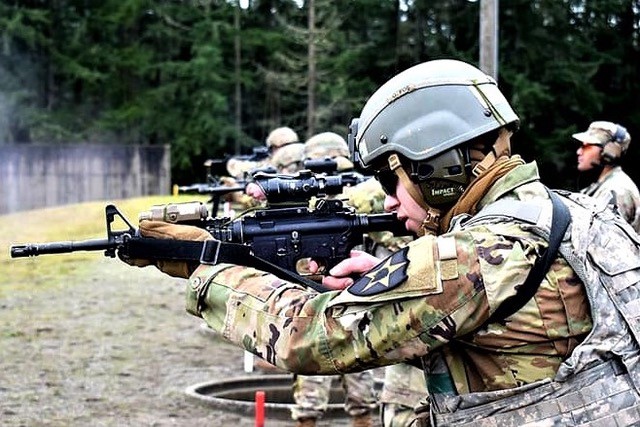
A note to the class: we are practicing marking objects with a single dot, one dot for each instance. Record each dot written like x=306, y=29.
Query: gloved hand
x=165, y=230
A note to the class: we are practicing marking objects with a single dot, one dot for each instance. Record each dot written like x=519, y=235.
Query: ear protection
x=612, y=150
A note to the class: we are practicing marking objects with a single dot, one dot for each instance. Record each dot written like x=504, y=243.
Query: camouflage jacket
x=429, y=299
x=616, y=187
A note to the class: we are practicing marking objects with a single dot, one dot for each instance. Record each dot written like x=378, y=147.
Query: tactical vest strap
x=559, y=223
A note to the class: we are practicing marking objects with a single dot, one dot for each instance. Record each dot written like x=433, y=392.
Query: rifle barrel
x=35, y=249
x=210, y=189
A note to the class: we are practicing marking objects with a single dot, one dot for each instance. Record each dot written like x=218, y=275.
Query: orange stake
x=259, y=408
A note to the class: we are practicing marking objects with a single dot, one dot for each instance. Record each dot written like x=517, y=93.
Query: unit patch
x=387, y=275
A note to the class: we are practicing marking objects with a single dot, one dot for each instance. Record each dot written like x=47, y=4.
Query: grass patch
x=70, y=222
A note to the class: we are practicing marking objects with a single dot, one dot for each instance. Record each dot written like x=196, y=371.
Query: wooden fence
x=37, y=176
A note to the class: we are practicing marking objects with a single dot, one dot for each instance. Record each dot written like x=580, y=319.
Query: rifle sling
x=210, y=252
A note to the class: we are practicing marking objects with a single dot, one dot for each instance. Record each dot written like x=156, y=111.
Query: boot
x=306, y=422
x=363, y=420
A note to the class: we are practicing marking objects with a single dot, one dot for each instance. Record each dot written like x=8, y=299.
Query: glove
x=165, y=230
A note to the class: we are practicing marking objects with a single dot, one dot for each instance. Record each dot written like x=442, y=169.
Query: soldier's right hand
x=165, y=230
x=341, y=275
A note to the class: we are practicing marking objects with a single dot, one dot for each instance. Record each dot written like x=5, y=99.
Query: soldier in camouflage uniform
x=329, y=145
x=277, y=139
x=509, y=330
x=602, y=146
x=311, y=393
x=283, y=144
x=289, y=159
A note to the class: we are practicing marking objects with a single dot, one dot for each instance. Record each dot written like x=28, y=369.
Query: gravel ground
x=113, y=349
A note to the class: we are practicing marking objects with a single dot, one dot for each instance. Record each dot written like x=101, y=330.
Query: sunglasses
x=388, y=180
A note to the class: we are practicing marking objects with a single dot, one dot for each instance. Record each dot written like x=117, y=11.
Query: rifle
x=218, y=167
x=273, y=239
x=215, y=188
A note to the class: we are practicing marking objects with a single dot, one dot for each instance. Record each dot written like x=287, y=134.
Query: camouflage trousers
x=311, y=394
x=404, y=387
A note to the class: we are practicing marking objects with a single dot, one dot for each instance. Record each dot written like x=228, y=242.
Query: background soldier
x=403, y=389
x=515, y=321
x=282, y=138
x=404, y=385
x=289, y=159
x=311, y=393
x=602, y=146
x=277, y=138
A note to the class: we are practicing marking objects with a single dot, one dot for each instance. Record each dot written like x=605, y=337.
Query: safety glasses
x=388, y=180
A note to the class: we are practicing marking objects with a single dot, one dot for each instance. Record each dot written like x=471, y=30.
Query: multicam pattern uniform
x=431, y=299
x=311, y=394
x=404, y=385
x=403, y=389
x=617, y=186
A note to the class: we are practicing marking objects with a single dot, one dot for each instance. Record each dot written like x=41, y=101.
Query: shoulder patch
x=387, y=275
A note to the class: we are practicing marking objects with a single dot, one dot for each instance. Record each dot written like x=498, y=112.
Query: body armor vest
x=599, y=384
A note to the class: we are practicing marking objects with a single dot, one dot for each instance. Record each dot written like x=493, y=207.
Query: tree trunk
x=311, y=85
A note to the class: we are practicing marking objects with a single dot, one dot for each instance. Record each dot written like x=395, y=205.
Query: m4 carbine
x=276, y=239
x=216, y=188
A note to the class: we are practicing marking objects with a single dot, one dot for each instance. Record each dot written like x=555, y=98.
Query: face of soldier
x=406, y=208
x=588, y=156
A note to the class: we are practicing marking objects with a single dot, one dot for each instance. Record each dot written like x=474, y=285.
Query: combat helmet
x=420, y=119
x=281, y=136
x=613, y=138
x=289, y=158
x=328, y=145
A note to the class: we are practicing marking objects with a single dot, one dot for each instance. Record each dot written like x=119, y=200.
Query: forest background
x=211, y=77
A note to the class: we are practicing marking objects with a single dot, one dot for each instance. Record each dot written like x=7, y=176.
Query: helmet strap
x=479, y=186
x=430, y=223
x=500, y=148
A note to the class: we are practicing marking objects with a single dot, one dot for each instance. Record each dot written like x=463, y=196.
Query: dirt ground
x=115, y=348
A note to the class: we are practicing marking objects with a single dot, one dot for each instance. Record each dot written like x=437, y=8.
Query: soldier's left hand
x=254, y=190
x=165, y=230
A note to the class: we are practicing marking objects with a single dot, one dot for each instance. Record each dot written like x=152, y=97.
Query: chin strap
x=496, y=168
x=501, y=147
x=430, y=223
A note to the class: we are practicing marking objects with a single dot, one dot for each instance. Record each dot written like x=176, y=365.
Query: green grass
x=70, y=222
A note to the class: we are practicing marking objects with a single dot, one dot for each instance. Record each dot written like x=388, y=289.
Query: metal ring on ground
x=237, y=395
